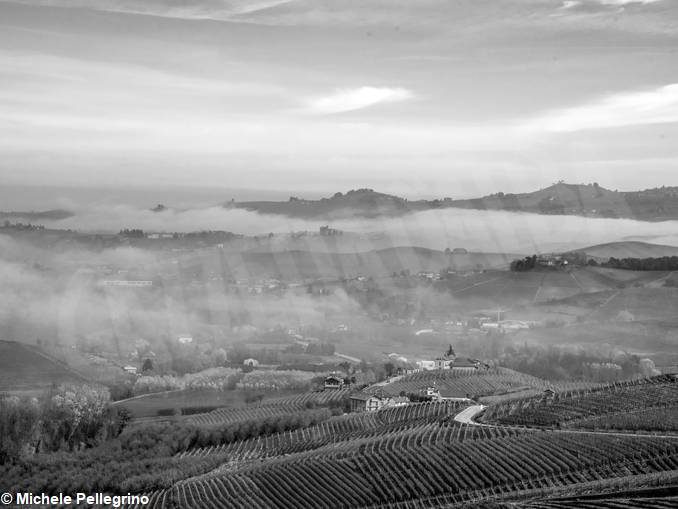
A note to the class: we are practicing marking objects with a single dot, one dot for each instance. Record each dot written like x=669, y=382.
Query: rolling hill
x=630, y=249
x=563, y=199
x=45, y=215
x=300, y=264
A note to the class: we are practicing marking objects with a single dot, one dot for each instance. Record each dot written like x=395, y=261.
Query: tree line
x=524, y=264
x=69, y=418
x=661, y=263
x=143, y=458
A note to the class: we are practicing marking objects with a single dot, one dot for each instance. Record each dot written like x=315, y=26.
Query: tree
x=220, y=357
x=147, y=366
x=123, y=417
x=346, y=367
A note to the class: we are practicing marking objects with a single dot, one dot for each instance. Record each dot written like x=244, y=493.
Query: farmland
x=271, y=407
x=485, y=383
x=303, y=450
x=463, y=385
x=417, y=456
x=24, y=368
x=174, y=401
x=643, y=405
x=439, y=462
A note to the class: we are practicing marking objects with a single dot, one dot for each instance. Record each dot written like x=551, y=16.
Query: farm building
x=334, y=382
x=362, y=402
x=396, y=401
x=253, y=363
x=132, y=370
x=431, y=392
x=426, y=365
x=444, y=362
x=548, y=394
x=407, y=368
x=465, y=365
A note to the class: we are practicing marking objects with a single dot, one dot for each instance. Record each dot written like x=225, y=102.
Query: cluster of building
x=450, y=361
x=364, y=402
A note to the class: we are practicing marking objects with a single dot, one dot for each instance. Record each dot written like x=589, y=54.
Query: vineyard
x=610, y=503
x=271, y=407
x=648, y=404
x=337, y=429
x=486, y=383
x=647, y=419
x=411, y=456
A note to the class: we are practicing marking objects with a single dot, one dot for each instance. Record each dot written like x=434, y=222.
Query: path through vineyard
x=468, y=415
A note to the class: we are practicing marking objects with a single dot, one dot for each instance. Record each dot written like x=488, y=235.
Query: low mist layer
x=486, y=231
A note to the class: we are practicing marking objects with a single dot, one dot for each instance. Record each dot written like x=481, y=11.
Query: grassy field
x=511, y=288
x=24, y=369
x=149, y=404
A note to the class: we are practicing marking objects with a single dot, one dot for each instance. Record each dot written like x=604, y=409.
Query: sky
x=428, y=98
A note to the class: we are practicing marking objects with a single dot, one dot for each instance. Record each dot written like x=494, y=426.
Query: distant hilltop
x=360, y=202
x=563, y=199
x=591, y=200
x=54, y=215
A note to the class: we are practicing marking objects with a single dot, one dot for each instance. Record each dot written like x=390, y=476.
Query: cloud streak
x=572, y=4
x=626, y=2
x=658, y=106
x=185, y=9
x=356, y=98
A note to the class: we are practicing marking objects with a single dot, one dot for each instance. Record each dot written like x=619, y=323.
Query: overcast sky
x=433, y=97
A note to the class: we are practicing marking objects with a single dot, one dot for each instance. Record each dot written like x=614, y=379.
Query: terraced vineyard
x=494, y=381
x=434, y=463
x=610, y=503
x=648, y=404
x=411, y=456
x=271, y=407
x=646, y=419
x=338, y=429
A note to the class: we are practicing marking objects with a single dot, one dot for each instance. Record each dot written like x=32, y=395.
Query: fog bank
x=488, y=231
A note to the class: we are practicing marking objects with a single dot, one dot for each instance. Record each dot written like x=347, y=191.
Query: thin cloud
x=185, y=9
x=626, y=2
x=356, y=99
x=574, y=4
x=659, y=106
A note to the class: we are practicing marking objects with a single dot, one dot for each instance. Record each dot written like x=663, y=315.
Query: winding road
x=467, y=416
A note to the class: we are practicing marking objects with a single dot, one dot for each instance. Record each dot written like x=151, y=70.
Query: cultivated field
x=484, y=383
x=169, y=402
x=405, y=462
x=647, y=404
x=24, y=368
x=271, y=407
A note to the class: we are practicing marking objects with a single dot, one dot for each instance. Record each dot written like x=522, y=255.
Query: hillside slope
x=301, y=264
x=630, y=249
x=24, y=368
